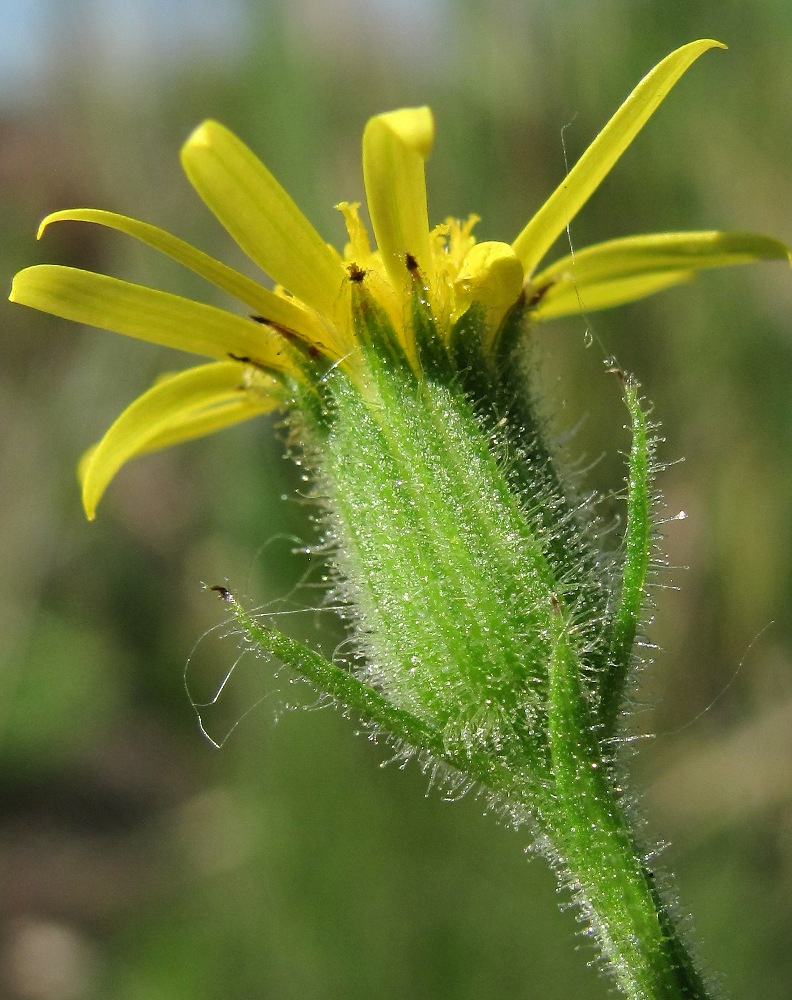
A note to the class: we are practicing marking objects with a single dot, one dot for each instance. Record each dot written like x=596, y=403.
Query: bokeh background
x=139, y=862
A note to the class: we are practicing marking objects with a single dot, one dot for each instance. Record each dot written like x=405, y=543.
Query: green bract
x=492, y=636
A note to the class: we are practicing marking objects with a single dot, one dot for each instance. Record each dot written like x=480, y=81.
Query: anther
x=356, y=274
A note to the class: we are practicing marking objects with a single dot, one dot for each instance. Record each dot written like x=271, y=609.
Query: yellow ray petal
x=261, y=217
x=587, y=174
x=618, y=271
x=178, y=408
x=395, y=146
x=224, y=413
x=651, y=252
x=568, y=298
x=274, y=308
x=148, y=314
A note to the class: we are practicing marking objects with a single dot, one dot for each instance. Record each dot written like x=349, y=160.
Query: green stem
x=589, y=829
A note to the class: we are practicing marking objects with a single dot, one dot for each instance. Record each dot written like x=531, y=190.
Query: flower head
x=489, y=631
x=423, y=282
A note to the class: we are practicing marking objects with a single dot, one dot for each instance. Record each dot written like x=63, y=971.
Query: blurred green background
x=138, y=862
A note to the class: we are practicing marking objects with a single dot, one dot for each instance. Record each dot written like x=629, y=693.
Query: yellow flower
x=308, y=318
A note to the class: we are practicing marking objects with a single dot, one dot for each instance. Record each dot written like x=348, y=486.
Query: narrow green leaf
x=637, y=546
x=341, y=684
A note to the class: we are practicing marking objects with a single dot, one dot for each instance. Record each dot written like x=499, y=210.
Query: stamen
x=358, y=236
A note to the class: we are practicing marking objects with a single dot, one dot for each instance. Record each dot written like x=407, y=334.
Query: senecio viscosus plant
x=492, y=637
